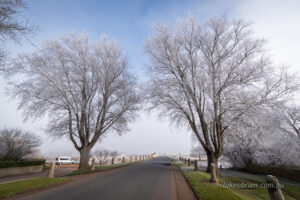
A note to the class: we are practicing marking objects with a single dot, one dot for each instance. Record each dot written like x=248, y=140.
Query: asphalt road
x=151, y=179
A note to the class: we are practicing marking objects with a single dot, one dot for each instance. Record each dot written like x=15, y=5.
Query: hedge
x=289, y=173
x=11, y=164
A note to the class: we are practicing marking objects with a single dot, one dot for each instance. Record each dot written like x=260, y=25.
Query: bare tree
x=16, y=143
x=209, y=75
x=101, y=155
x=113, y=155
x=10, y=26
x=85, y=88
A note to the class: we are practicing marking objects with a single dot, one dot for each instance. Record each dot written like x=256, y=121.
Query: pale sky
x=130, y=22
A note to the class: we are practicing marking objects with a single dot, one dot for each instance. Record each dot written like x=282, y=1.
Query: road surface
x=151, y=179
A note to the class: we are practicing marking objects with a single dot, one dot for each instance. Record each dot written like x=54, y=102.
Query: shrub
x=11, y=164
x=289, y=173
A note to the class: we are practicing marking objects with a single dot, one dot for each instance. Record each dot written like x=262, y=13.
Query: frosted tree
x=259, y=139
x=209, y=75
x=15, y=144
x=102, y=155
x=288, y=120
x=85, y=89
x=11, y=27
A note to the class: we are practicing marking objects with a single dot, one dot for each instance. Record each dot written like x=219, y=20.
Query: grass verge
x=17, y=187
x=208, y=191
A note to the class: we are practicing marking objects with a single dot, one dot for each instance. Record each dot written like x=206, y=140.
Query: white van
x=61, y=160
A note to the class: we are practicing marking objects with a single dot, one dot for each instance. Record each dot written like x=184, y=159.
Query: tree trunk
x=209, y=161
x=84, y=158
x=211, y=158
x=217, y=167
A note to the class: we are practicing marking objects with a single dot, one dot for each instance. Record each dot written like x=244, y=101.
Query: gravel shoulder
x=183, y=190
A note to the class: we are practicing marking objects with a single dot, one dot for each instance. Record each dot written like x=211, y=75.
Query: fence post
x=189, y=162
x=196, y=165
x=93, y=165
x=274, y=189
x=213, y=176
x=51, y=172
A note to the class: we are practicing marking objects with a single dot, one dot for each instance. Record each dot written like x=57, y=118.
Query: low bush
x=23, y=163
x=289, y=173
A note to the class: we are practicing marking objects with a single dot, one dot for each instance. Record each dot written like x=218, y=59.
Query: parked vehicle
x=76, y=162
x=62, y=160
x=154, y=155
x=48, y=161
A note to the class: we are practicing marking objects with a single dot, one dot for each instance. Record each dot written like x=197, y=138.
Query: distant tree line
x=103, y=154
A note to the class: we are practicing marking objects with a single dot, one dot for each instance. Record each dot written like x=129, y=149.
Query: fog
x=277, y=21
